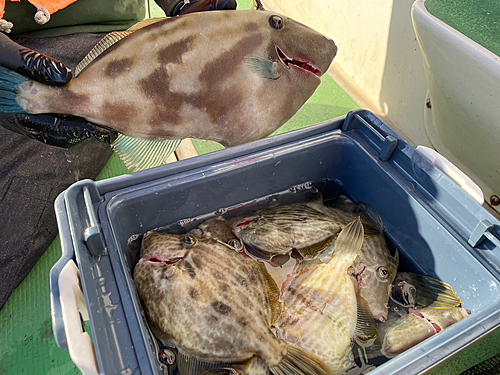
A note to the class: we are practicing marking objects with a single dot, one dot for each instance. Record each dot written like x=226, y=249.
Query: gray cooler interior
x=427, y=217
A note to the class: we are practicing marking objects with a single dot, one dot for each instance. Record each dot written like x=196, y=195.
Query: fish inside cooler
x=426, y=217
x=418, y=306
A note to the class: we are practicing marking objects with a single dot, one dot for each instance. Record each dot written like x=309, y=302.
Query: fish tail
x=300, y=361
x=9, y=82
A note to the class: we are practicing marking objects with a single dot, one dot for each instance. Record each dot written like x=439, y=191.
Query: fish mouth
x=304, y=65
x=157, y=260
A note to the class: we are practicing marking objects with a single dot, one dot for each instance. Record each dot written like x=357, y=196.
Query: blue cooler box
x=438, y=229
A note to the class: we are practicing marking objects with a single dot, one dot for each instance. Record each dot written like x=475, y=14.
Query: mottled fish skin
x=213, y=303
x=280, y=229
x=375, y=268
x=320, y=311
x=187, y=77
x=401, y=333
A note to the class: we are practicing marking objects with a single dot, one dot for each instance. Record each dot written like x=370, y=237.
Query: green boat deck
x=26, y=340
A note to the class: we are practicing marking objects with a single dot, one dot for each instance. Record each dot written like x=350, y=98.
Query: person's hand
x=179, y=7
x=32, y=64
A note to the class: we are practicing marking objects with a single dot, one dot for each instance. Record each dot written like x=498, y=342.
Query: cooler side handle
x=453, y=172
x=80, y=346
x=67, y=254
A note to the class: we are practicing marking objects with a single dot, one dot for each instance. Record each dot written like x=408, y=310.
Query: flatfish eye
x=383, y=272
x=235, y=244
x=276, y=22
x=189, y=240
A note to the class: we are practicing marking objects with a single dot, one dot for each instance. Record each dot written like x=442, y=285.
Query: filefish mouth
x=436, y=327
x=304, y=65
x=157, y=260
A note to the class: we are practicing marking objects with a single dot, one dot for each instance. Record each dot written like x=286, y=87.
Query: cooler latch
x=92, y=234
x=482, y=231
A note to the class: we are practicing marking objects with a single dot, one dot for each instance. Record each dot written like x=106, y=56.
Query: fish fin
x=190, y=365
x=350, y=240
x=371, y=229
x=9, y=82
x=319, y=248
x=372, y=213
x=106, y=42
x=146, y=22
x=431, y=292
x=365, y=324
x=140, y=153
x=264, y=68
x=254, y=366
x=273, y=292
x=300, y=361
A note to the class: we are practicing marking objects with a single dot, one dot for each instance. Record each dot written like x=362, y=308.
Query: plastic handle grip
x=80, y=346
x=453, y=172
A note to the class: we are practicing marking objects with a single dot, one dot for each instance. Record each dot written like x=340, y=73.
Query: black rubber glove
x=179, y=7
x=32, y=64
x=61, y=130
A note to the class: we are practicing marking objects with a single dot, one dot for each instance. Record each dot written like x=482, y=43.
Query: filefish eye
x=189, y=240
x=276, y=22
x=236, y=244
x=383, y=272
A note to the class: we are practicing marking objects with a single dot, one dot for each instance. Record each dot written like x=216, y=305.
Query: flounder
x=215, y=305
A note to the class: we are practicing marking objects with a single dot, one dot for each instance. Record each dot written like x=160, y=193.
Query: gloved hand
x=32, y=64
x=178, y=7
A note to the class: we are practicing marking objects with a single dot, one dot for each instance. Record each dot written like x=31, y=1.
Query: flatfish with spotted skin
x=214, y=305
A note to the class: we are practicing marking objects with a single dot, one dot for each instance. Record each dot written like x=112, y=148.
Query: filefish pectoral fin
x=138, y=153
x=264, y=68
x=322, y=249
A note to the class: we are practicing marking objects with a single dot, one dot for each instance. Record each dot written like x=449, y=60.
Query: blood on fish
x=248, y=222
x=434, y=325
x=168, y=261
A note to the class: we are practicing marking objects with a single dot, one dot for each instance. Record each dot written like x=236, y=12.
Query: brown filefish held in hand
x=226, y=76
x=215, y=305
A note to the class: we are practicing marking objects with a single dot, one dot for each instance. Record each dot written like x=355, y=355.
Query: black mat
x=33, y=174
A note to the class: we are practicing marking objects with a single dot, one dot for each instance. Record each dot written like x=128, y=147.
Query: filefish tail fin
x=138, y=153
x=9, y=82
x=300, y=361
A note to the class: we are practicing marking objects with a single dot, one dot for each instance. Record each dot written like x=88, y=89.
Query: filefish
x=375, y=268
x=226, y=76
x=215, y=306
x=279, y=230
x=420, y=307
x=308, y=229
x=320, y=310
